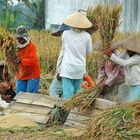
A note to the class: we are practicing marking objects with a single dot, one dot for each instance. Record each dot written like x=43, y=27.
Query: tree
x=7, y=18
x=37, y=6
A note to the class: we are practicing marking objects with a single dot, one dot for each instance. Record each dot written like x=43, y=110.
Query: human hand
x=17, y=61
x=107, y=51
x=102, y=86
x=58, y=77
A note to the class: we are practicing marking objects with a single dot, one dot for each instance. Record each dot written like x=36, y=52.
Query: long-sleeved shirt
x=29, y=67
x=75, y=46
x=132, y=68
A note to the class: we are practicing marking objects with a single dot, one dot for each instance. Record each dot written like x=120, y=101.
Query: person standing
x=28, y=77
x=76, y=44
x=55, y=88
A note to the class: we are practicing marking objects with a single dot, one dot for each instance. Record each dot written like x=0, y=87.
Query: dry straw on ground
x=117, y=123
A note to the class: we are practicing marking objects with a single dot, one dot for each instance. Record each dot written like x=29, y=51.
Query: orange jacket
x=29, y=67
x=89, y=82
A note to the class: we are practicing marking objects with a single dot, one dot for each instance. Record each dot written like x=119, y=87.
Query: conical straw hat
x=131, y=43
x=77, y=20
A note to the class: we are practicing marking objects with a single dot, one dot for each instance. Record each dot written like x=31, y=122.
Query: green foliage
x=24, y=15
x=37, y=6
x=30, y=13
x=7, y=17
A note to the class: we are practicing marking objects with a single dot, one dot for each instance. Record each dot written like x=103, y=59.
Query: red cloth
x=110, y=73
x=29, y=67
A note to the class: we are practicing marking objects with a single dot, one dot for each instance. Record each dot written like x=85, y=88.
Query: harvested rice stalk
x=108, y=22
x=92, y=14
x=116, y=123
x=9, y=52
x=136, y=113
x=82, y=100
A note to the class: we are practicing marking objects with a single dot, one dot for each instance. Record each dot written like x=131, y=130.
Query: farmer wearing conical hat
x=76, y=44
x=131, y=61
x=28, y=76
x=55, y=88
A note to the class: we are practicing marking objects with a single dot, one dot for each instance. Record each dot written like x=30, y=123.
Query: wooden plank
x=39, y=118
x=79, y=118
x=31, y=108
x=31, y=97
x=25, y=95
x=103, y=104
x=28, y=101
x=88, y=112
x=74, y=124
x=43, y=104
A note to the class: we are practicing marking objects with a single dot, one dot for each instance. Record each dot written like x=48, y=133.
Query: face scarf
x=23, y=42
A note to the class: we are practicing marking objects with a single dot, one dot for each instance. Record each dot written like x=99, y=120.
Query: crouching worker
x=28, y=76
x=131, y=62
x=55, y=88
x=6, y=90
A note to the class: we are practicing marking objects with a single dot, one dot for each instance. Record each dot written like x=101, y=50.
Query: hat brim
x=60, y=30
x=77, y=20
x=131, y=43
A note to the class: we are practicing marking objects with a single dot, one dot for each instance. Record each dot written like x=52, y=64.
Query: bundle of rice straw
x=8, y=48
x=108, y=22
x=92, y=15
x=116, y=123
x=83, y=100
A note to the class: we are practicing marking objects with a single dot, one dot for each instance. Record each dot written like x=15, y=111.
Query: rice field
x=48, y=48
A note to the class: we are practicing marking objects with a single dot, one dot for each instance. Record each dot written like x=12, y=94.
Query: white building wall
x=57, y=10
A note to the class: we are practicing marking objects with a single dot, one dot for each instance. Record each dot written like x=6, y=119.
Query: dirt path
x=54, y=133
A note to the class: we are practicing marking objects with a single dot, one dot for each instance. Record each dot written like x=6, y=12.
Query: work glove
x=107, y=51
x=58, y=77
